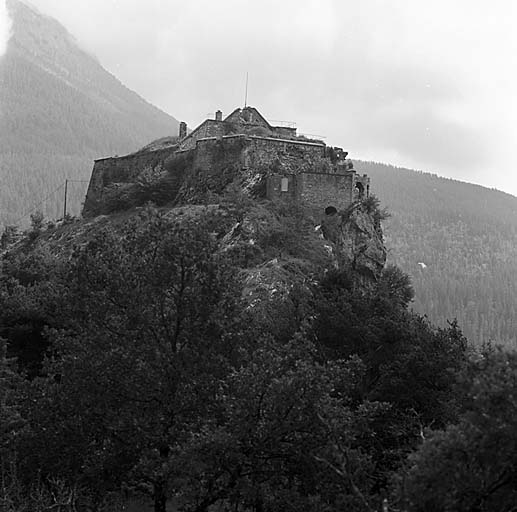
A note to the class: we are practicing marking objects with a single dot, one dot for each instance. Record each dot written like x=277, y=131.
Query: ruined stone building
x=272, y=162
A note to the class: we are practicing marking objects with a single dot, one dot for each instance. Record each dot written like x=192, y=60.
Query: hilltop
x=457, y=241
x=206, y=354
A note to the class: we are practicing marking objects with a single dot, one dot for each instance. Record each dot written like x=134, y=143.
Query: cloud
x=420, y=134
x=5, y=27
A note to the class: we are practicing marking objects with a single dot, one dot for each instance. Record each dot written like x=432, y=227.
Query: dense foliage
x=139, y=368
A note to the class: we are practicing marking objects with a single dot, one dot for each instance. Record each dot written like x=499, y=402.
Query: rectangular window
x=284, y=185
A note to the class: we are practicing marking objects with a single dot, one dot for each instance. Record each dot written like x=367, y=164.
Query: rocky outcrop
x=356, y=239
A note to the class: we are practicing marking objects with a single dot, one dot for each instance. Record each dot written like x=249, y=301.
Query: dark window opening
x=330, y=210
x=359, y=190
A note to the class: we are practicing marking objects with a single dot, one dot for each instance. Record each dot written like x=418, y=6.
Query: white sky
x=425, y=84
x=5, y=27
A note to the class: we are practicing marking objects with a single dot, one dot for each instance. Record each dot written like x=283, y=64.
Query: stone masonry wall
x=268, y=155
x=209, y=128
x=311, y=177
x=323, y=190
x=276, y=190
x=248, y=116
x=315, y=190
x=217, y=163
x=283, y=156
x=126, y=169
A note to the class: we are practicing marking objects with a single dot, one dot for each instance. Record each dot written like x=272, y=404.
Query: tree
x=285, y=435
x=408, y=363
x=472, y=465
x=146, y=313
x=9, y=235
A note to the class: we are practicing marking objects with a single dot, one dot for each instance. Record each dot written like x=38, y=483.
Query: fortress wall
x=322, y=190
x=316, y=190
x=219, y=160
x=217, y=163
x=268, y=154
x=282, y=156
x=271, y=145
x=213, y=154
x=209, y=128
x=275, y=190
x=125, y=169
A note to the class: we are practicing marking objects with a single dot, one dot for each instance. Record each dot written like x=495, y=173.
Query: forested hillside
x=181, y=366
x=230, y=357
x=60, y=109
x=459, y=244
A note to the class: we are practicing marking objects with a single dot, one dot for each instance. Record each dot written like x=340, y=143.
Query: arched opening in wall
x=330, y=210
x=359, y=191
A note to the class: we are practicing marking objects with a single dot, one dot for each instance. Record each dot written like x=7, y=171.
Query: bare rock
x=357, y=240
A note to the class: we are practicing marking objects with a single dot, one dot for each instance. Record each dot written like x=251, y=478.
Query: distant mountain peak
x=60, y=110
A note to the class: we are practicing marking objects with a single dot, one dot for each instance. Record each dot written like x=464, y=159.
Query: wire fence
x=66, y=198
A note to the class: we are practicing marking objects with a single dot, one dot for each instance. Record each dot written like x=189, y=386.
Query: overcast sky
x=425, y=84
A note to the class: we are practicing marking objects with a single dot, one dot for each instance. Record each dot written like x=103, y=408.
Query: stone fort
x=280, y=164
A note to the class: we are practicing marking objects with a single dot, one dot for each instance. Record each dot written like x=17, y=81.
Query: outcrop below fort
x=356, y=238
x=275, y=246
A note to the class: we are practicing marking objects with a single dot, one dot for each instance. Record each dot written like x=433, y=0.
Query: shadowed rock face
x=357, y=241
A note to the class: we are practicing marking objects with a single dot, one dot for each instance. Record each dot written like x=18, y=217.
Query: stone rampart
x=110, y=171
x=323, y=190
x=306, y=171
x=274, y=155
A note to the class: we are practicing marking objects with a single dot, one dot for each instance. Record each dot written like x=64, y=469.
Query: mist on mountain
x=5, y=27
x=60, y=110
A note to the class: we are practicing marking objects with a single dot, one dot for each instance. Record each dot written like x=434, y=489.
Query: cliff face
x=278, y=246
x=357, y=240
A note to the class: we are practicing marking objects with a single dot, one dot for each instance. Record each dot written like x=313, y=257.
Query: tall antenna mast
x=246, y=94
x=64, y=203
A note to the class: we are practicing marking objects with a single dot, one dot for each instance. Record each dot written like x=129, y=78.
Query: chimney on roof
x=218, y=116
x=183, y=130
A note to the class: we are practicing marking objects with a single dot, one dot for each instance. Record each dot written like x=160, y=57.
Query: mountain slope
x=458, y=241
x=60, y=109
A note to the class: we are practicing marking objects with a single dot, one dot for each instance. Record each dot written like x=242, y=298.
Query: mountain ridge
x=60, y=110
x=465, y=235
